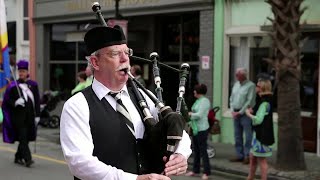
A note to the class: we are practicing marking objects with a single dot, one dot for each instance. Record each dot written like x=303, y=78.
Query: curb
x=225, y=171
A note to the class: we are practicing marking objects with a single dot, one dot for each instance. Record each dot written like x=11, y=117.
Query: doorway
x=309, y=91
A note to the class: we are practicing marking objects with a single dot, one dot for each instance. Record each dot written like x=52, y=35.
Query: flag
x=4, y=56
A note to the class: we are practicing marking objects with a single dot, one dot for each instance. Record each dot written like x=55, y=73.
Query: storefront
x=246, y=43
x=170, y=28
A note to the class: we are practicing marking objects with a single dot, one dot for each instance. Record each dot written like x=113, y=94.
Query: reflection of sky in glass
x=59, y=31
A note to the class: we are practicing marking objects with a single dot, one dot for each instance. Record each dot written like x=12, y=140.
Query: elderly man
x=242, y=96
x=97, y=142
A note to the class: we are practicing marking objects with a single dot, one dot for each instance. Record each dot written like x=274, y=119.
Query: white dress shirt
x=76, y=139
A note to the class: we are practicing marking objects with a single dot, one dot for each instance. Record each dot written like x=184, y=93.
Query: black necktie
x=123, y=110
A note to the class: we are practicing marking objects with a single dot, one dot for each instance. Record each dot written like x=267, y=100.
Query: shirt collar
x=244, y=82
x=101, y=91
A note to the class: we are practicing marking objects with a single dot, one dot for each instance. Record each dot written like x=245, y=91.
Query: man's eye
x=115, y=53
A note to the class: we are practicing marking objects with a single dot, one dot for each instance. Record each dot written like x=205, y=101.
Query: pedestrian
x=137, y=73
x=242, y=96
x=200, y=128
x=97, y=142
x=81, y=77
x=89, y=75
x=263, y=136
x=21, y=108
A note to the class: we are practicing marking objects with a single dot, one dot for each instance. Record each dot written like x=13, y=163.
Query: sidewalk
x=225, y=151
x=221, y=162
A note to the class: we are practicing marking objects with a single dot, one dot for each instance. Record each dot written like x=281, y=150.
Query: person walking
x=21, y=108
x=262, y=122
x=97, y=141
x=81, y=76
x=200, y=128
x=242, y=97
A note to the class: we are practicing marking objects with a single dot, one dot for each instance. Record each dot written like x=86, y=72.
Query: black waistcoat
x=113, y=142
x=264, y=131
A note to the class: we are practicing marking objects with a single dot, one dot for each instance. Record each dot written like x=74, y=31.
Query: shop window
x=25, y=21
x=67, y=57
x=82, y=51
x=12, y=34
x=62, y=77
x=309, y=75
x=63, y=50
x=59, y=48
x=180, y=40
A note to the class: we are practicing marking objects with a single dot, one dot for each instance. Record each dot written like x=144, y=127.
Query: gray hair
x=242, y=71
x=89, y=62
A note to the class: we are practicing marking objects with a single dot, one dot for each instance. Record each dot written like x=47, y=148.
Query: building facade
x=18, y=29
x=179, y=31
x=245, y=43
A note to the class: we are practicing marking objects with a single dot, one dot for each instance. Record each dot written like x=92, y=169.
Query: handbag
x=215, y=128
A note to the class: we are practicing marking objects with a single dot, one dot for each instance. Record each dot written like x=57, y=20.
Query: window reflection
x=62, y=77
x=82, y=51
x=60, y=49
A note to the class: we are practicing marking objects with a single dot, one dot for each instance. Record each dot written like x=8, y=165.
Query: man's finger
x=174, y=159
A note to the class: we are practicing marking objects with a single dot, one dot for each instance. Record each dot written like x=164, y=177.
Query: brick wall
x=206, y=49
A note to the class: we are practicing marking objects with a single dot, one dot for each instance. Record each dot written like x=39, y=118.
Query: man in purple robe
x=21, y=110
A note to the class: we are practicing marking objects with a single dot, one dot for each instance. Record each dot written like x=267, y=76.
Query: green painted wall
x=312, y=14
x=250, y=12
x=255, y=12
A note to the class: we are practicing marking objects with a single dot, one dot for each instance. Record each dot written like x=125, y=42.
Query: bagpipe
x=161, y=136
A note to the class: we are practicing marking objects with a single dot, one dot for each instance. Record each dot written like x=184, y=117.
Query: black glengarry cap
x=100, y=37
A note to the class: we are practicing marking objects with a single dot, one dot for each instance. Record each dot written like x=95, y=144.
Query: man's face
x=239, y=76
x=113, y=63
x=23, y=74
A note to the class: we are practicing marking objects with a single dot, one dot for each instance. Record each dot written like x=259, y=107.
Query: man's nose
x=124, y=56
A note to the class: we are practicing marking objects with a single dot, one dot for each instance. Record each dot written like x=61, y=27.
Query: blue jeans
x=242, y=124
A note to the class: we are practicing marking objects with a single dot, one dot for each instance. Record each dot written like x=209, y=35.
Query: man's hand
x=152, y=177
x=19, y=102
x=176, y=165
x=235, y=114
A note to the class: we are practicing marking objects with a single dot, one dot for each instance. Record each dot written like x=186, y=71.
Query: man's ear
x=94, y=62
